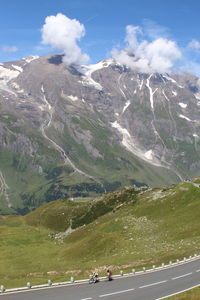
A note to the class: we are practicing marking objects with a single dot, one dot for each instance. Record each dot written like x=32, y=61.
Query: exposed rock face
x=68, y=132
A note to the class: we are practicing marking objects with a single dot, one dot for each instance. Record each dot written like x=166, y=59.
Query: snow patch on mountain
x=130, y=145
x=122, y=92
x=165, y=95
x=88, y=70
x=197, y=96
x=123, y=131
x=17, y=68
x=73, y=98
x=141, y=84
x=126, y=106
x=174, y=93
x=172, y=80
x=87, y=80
x=151, y=91
x=100, y=65
x=31, y=58
x=149, y=154
x=186, y=118
x=183, y=105
x=169, y=78
x=7, y=75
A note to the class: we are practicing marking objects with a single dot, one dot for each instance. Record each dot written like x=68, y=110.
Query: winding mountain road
x=4, y=189
x=148, y=286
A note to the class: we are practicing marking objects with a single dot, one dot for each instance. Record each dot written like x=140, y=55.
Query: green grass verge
x=125, y=229
x=193, y=294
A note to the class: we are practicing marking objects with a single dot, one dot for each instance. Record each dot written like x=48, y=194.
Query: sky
x=162, y=33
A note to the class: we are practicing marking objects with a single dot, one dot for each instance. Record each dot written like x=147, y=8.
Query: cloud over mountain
x=158, y=55
x=63, y=34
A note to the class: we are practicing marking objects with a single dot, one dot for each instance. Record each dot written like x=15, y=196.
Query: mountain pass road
x=147, y=286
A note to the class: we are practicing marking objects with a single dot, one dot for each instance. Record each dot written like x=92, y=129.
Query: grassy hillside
x=125, y=229
x=193, y=294
x=59, y=215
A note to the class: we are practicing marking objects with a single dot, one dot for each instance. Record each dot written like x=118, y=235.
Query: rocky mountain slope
x=68, y=132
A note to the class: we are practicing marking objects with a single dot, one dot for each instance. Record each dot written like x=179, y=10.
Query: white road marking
x=87, y=298
x=198, y=270
x=177, y=293
x=115, y=293
x=184, y=275
x=155, y=283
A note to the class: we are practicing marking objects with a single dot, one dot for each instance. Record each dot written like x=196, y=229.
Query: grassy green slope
x=59, y=215
x=193, y=294
x=123, y=229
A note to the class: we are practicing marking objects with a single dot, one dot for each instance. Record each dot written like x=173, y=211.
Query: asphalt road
x=148, y=286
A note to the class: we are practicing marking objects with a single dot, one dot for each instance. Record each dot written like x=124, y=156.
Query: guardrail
x=72, y=281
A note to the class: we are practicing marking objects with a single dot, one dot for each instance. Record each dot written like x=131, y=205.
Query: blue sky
x=104, y=20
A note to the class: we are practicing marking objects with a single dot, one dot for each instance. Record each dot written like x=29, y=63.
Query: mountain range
x=68, y=131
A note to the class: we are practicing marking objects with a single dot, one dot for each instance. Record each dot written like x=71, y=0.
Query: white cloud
x=63, y=33
x=194, y=44
x=191, y=67
x=146, y=56
x=154, y=30
x=9, y=49
x=190, y=62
